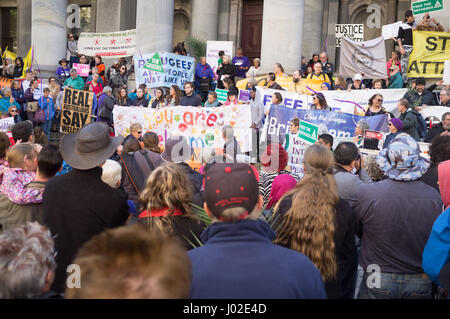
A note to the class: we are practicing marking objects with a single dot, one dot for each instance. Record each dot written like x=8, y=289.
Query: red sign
x=373, y=134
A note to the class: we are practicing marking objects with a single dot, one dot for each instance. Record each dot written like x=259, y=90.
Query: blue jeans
x=47, y=126
x=397, y=286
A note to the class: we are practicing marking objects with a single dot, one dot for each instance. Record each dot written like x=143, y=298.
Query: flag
x=27, y=61
x=9, y=55
x=367, y=58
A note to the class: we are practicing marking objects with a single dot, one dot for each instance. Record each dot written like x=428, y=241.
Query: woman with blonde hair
x=166, y=202
x=316, y=222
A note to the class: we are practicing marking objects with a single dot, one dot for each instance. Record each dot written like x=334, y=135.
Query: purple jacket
x=241, y=62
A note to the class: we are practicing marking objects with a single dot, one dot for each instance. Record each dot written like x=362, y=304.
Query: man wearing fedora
x=78, y=205
x=395, y=217
x=63, y=72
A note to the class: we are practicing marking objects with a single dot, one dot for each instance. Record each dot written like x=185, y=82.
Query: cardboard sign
x=354, y=32
x=389, y=31
x=244, y=96
x=76, y=110
x=308, y=132
x=82, y=69
x=222, y=95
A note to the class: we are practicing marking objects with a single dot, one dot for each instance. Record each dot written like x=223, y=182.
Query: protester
x=72, y=49
x=315, y=58
x=174, y=96
x=133, y=94
x=102, y=206
x=281, y=185
x=151, y=142
x=439, y=129
x=395, y=78
x=166, y=205
x=227, y=70
x=377, y=84
x=27, y=263
x=63, y=72
x=112, y=70
x=141, y=100
x=357, y=83
x=28, y=77
x=349, y=171
x=408, y=118
x=14, y=113
x=231, y=147
x=425, y=24
x=255, y=69
x=319, y=102
x=23, y=131
x=158, y=102
x=161, y=266
x=122, y=98
x=94, y=71
x=394, y=61
x=326, y=140
x=439, y=152
x=327, y=67
x=375, y=106
x=297, y=85
x=279, y=70
x=325, y=86
x=74, y=81
x=436, y=252
x=221, y=54
x=277, y=101
x=444, y=98
x=119, y=79
x=100, y=66
x=177, y=150
x=204, y=75
x=97, y=87
x=395, y=127
x=18, y=67
x=257, y=111
x=328, y=240
x=39, y=136
x=237, y=243
x=405, y=41
x=47, y=104
x=241, y=63
x=400, y=204
x=340, y=84
x=29, y=98
x=190, y=99
x=228, y=84
x=232, y=99
x=8, y=100
x=212, y=100
x=419, y=96
x=318, y=74
x=374, y=171
x=131, y=146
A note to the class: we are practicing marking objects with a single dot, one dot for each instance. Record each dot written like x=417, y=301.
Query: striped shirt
x=266, y=180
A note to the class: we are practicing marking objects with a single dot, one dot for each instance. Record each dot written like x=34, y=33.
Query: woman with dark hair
x=151, y=142
x=174, y=96
x=316, y=222
x=18, y=94
x=340, y=83
x=90, y=88
x=122, y=98
x=277, y=100
x=131, y=146
x=319, y=102
x=274, y=161
x=439, y=153
x=375, y=106
x=18, y=67
x=158, y=102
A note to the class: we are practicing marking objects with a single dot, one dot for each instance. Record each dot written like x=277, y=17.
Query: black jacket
x=226, y=69
x=415, y=99
x=77, y=206
x=410, y=124
x=344, y=240
x=105, y=112
x=435, y=131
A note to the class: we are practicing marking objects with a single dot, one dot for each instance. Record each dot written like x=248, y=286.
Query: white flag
x=367, y=58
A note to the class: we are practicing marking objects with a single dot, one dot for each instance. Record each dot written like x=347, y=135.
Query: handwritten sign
x=244, y=96
x=76, y=109
x=6, y=123
x=111, y=44
x=82, y=69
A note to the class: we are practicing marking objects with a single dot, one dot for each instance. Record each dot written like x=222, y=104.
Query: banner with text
x=108, y=44
x=76, y=110
x=82, y=69
x=431, y=50
x=163, y=69
x=212, y=51
x=354, y=32
x=201, y=126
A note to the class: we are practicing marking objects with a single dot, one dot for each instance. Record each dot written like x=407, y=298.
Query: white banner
x=110, y=44
x=201, y=126
x=354, y=32
x=212, y=51
x=390, y=30
x=290, y=99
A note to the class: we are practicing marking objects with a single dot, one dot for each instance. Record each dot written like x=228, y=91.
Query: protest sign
x=212, y=51
x=109, y=44
x=201, y=126
x=446, y=76
x=6, y=123
x=339, y=125
x=367, y=58
x=221, y=95
x=389, y=31
x=308, y=132
x=295, y=147
x=163, y=69
x=82, y=69
x=426, y=6
x=431, y=50
x=290, y=99
x=354, y=32
x=434, y=112
x=76, y=110
x=5, y=82
x=244, y=96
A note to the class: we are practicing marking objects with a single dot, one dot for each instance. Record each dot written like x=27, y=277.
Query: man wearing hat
x=395, y=127
x=63, y=71
x=238, y=259
x=357, y=82
x=78, y=205
x=394, y=218
x=395, y=78
x=419, y=96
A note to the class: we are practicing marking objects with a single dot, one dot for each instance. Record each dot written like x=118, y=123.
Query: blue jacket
x=48, y=107
x=437, y=250
x=389, y=138
x=396, y=81
x=202, y=71
x=239, y=261
x=5, y=104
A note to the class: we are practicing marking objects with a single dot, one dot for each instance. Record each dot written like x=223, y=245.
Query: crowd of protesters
x=230, y=229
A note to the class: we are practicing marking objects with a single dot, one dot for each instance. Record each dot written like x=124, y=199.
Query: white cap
x=357, y=77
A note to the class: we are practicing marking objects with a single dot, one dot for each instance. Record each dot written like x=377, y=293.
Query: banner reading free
x=431, y=50
x=201, y=126
x=171, y=69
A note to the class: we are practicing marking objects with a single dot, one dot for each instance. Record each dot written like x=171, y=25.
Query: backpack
x=134, y=172
x=421, y=124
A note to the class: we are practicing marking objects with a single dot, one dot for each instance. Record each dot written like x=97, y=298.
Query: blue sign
x=178, y=69
x=339, y=125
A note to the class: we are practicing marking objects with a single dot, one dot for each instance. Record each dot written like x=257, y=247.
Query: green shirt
x=76, y=83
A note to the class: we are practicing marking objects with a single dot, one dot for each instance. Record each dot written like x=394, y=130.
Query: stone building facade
x=275, y=30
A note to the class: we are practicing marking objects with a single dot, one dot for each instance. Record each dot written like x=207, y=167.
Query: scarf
x=160, y=212
x=280, y=186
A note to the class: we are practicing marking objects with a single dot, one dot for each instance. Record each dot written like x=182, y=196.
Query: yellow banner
x=431, y=50
x=287, y=83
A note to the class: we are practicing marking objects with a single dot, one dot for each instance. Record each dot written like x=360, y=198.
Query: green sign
x=221, y=95
x=154, y=63
x=426, y=6
x=308, y=132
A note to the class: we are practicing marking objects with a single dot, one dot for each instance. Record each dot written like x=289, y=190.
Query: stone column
x=333, y=7
x=48, y=33
x=205, y=19
x=282, y=37
x=154, y=26
x=108, y=15
x=312, y=28
x=23, y=27
x=391, y=18
x=224, y=15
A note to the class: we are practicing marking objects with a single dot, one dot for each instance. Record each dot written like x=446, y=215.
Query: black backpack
x=134, y=171
x=421, y=124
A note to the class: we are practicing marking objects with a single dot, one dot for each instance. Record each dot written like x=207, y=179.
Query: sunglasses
x=379, y=100
x=139, y=132
x=13, y=111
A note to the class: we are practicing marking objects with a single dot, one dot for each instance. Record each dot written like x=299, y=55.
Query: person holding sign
x=174, y=96
x=320, y=103
x=425, y=24
x=140, y=99
x=405, y=41
x=375, y=106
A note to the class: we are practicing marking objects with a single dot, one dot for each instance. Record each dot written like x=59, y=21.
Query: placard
x=389, y=31
x=244, y=96
x=212, y=51
x=354, y=32
x=76, y=110
x=82, y=69
x=222, y=95
x=108, y=44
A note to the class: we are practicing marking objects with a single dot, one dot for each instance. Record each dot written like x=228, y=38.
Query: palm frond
x=197, y=47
